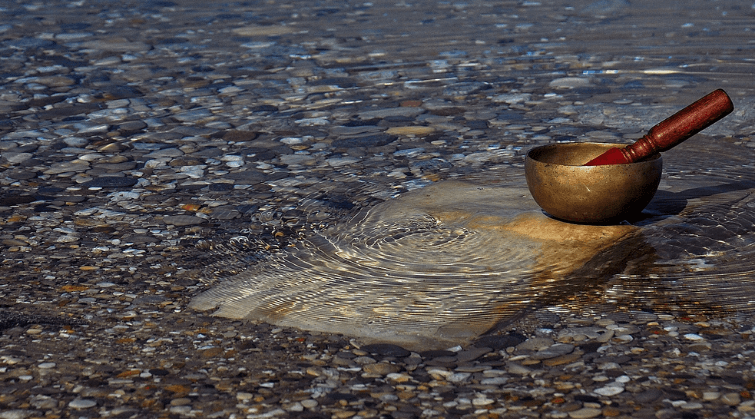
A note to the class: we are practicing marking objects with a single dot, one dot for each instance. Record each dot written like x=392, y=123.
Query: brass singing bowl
x=566, y=190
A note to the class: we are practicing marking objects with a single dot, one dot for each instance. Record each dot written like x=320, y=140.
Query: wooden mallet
x=672, y=131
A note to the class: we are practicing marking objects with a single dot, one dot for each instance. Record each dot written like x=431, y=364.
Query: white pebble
x=82, y=403
x=309, y=403
x=610, y=390
x=693, y=336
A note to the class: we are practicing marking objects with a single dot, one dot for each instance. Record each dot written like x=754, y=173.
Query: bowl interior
x=577, y=154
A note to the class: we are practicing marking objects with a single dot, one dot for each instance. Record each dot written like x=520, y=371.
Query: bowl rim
x=651, y=159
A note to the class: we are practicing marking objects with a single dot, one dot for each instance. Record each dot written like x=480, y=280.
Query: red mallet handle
x=672, y=131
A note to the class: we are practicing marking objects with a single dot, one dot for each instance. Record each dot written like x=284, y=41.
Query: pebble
x=585, y=412
x=82, y=403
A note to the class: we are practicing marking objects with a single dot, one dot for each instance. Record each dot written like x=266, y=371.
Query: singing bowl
x=566, y=190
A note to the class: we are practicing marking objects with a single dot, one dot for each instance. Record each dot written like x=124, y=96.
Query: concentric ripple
x=448, y=262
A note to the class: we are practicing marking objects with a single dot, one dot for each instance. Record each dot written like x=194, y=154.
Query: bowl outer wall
x=589, y=194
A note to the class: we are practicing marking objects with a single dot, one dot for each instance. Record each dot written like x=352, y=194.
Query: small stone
x=182, y=220
x=694, y=337
x=294, y=407
x=211, y=352
x=399, y=377
x=611, y=412
x=563, y=359
x=514, y=368
x=64, y=167
x=244, y=396
x=386, y=349
x=585, y=412
x=553, y=351
x=16, y=158
x=711, y=395
x=82, y=403
x=309, y=403
x=569, y=82
x=498, y=342
x=482, y=400
x=494, y=381
x=15, y=414
x=110, y=182
x=609, y=390
x=731, y=399
x=381, y=368
x=411, y=130
x=535, y=344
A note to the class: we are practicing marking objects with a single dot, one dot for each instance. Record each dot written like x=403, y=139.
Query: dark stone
x=110, y=182
x=375, y=140
x=220, y=187
x=386, y=349
x=131, y=126
x=50, y=189
x=265, y=108
x=477, y=124
x=208, y=152
x=362, y=123
x=335, y=397
x=674, y=394
x=121, y=92
x=148, y=299
x=586, y=398
x=28, y=43
x=45, y=208
x=649, y=395
x=239, y=136
x=510, y=116
x=431, y=165
x=247, y=176
x=140, y=239
x=340, y=82
x=158, y=372
x=398, y=118
x=20, y=174
x=448, y=111
x=437, y=354
x=247, y=209
x=498, y=342
x=68, y=112
x=338, y=203
x=11, y=200
x=590, y=347
x=10, y=319
x=346, y=355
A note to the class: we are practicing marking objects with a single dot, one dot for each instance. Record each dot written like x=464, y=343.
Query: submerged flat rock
x=436, y=266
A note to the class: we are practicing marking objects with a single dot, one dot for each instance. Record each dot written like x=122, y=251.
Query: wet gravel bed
x=555, y=365
x=149, y=150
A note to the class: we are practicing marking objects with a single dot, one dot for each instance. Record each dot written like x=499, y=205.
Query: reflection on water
x=448, y=262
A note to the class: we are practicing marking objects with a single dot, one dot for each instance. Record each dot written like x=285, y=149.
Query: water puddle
x=443, y=264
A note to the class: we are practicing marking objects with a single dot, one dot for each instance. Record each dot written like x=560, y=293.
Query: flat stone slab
x=436, y=266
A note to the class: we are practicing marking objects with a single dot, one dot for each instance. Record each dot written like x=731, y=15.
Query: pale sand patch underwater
x=436, y=266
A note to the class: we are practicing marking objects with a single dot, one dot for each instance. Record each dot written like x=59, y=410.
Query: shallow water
x=441, y=265
x=607, y=71
x=364, y=102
